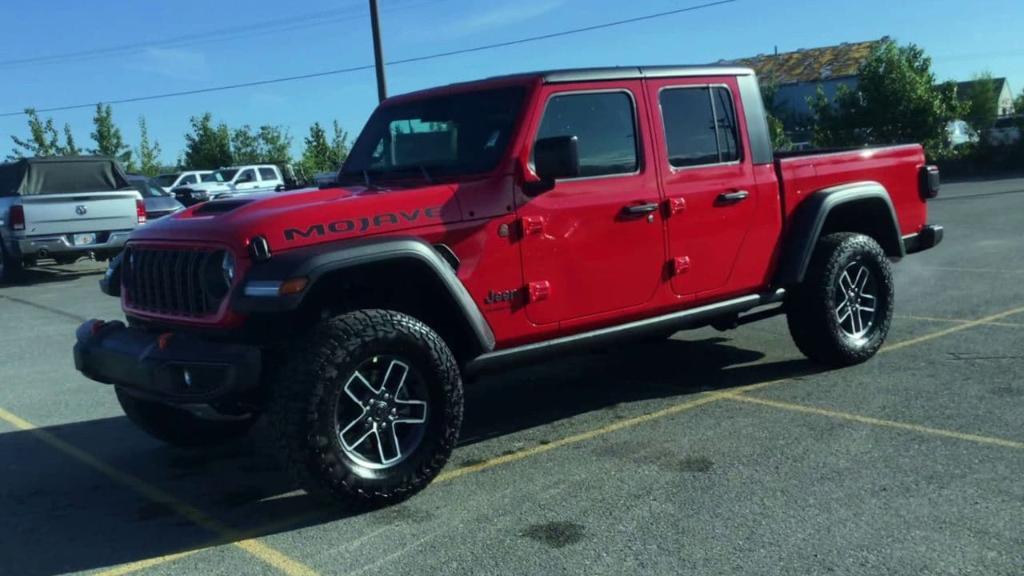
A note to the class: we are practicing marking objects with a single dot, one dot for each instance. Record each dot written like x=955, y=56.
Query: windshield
x=443, y=136
x=224, y=175
x=166, y=180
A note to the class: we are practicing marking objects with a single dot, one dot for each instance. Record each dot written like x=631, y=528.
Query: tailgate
x=51, y=214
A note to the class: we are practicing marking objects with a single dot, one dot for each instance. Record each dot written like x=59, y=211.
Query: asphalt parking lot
x=711, y=453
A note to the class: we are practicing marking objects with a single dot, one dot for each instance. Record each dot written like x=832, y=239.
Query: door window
x=605, y=125
x=190, y=179
x=247, y=175
x=268, y=174
x=700, y=126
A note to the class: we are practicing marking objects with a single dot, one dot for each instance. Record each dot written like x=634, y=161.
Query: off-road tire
x=811, y=307
x=11, y=269
x=304, y=398
x=178, y=427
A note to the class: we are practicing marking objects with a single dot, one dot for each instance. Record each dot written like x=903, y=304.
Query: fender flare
x=315, y=262
x=809, y=219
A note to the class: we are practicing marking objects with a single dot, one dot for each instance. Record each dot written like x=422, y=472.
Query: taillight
x=17, y=217
x=930, y=182
x=140, y=210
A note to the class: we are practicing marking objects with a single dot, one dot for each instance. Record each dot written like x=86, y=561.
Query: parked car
x=233, y=180
x=1005, y=132
x=520, y=218
x=63, y=209
x=175, y=179
x=960, y=132
x=158, y=202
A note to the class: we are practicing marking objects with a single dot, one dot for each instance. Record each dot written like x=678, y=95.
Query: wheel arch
x=862, y=207
x=407, y=275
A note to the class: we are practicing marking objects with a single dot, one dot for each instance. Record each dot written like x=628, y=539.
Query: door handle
x=731, y=197
x=639, y=209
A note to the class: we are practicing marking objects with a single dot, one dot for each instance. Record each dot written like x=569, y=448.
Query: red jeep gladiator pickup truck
x=481, y=225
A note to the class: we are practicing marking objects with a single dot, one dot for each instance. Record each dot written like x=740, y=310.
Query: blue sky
x=190, y=44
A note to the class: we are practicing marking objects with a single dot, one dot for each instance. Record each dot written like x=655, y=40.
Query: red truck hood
x=294, y=219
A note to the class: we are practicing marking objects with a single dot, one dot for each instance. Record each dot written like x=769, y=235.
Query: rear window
x=700, y=126
x=166, y=180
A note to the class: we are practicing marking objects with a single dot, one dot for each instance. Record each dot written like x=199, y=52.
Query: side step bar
x=694, y=317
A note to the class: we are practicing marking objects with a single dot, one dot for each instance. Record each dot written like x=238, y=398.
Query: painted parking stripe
x=879, y=422
x=251, y=545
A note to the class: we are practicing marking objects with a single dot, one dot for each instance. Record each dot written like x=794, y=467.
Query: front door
x=708, y=180
x=595, y=243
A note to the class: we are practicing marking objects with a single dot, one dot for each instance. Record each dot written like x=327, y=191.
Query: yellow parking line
x=956, y=321
x=951, y=330
x=251, y=545
x=978, y=439
x=147, y=563
x=971, y=270
x=577, y=438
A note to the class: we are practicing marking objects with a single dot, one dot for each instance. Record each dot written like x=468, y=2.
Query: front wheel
x=368, y=408
x=179, y=427
x=840, y=314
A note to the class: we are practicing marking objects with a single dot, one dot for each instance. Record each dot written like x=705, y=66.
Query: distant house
x=1004, y=94
x=798, y=74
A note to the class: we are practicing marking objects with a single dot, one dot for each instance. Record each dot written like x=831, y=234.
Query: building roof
x=811, y=65
x=963, y=89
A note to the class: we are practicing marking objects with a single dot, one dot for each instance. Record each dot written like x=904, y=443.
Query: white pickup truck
x=232, y=180
x=63, y=209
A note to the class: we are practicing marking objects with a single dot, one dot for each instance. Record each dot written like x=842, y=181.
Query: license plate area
x=83, y=239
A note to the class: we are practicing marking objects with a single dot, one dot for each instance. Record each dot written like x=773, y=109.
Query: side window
x=190, y=179
x=268, y=174
x=700, y=126
x=604, y=123
x=247, y=175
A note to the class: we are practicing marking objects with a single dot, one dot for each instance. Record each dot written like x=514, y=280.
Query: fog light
x=187, y=374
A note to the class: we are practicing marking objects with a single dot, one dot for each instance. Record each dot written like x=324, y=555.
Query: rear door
x=584, y=252
x=269, y=178
x=53, y=214
x=707, y=177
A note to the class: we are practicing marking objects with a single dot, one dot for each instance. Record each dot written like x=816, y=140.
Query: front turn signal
x=293, y=286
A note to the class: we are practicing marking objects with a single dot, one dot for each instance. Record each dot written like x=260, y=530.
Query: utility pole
x=378, y=53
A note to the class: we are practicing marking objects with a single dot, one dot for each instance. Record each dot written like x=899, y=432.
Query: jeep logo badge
x=81, y=209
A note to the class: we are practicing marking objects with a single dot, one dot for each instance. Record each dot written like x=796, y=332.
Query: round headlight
x=227, y=266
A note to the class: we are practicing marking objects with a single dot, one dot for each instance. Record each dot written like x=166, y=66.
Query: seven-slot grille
x=183, y=282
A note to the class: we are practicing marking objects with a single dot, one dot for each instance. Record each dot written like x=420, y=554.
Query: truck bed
x=897, y=168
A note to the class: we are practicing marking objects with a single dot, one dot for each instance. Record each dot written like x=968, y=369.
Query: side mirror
x=556, y=158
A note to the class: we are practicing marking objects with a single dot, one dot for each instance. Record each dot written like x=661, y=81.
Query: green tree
x=339, y=145
x=42, y=140
x=1018, y=104
x=896, y=101
x=776, y=127
x=207, y=146
x=69, y=148
x=981, y=102
x=274, y=144
x=245, y=146
x=107, y=137
x=148, y=154
x=318, y=155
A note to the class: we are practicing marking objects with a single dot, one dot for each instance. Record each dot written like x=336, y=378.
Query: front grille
x=178, y=282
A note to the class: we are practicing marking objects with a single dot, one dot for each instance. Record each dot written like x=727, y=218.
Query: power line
x=274, y=27
x=390, y=63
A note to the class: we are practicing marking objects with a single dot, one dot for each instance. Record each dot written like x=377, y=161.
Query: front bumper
x=172, y=368
x=60, y=244
x=929, y=237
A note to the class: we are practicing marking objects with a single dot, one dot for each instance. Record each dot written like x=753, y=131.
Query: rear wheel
x=368, y=408
x=840, y=314
x=11, y=268
x=180, y=427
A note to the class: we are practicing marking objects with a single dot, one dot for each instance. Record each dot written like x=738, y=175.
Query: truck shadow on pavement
x=63, y=516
